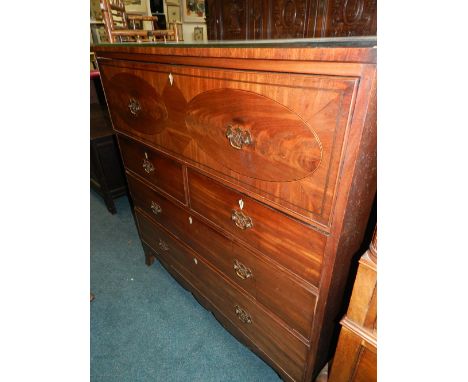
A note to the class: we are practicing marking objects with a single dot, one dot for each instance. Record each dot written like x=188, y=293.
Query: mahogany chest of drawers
x=252, y=170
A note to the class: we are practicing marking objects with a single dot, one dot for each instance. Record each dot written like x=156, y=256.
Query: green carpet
x=144, y=326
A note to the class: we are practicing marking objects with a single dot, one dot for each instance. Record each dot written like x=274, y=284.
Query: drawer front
x=281, y=347
x=274, y=288
x=166, y=246
x=271, y=286
x=278, y=135
x=173, y=218
x=288, y=242
x=156, y=168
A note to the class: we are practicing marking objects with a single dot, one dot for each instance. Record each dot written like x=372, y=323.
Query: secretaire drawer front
x=269, y=284
x=283, y=348
x=288, y=242
x=156, y=168
x=277, y=134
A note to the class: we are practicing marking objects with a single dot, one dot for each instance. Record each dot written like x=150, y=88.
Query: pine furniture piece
x=355, y=359
x=273, y=19
x=252, y=169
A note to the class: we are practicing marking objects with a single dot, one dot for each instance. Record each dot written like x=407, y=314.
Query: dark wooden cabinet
x=277, y=19
x=106, y=170
x=252, y=173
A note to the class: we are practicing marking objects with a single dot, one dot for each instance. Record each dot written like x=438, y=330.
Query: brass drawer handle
x=163, y=245
x=134, y=106
x=148, y=166
x=242, y=271
x=238, y=137
x=242, y=315
x=156, y=208
x=242, y=221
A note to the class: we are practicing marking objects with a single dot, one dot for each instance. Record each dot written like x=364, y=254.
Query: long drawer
x=288, y=242
x=283, y=349
x=161, y=171
x=289, y=299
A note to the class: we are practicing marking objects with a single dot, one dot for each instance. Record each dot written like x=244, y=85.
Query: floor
x=144, y=326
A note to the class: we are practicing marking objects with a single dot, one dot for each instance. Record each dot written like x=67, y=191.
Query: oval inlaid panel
x=253, y=135
x=136, y=103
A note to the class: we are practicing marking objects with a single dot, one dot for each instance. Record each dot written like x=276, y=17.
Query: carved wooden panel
x=288, y=19
x=265, y=19
x=352, y=18
x=234, y=19
x=257, y=23
x=212, y=20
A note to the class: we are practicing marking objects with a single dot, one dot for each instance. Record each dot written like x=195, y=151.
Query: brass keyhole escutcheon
x=238, y=137
x=163, y=245
x=134, y=106
x=156, y=208
x=241, y=220
x=148, y=166
x=241, y=270
x=243, y=315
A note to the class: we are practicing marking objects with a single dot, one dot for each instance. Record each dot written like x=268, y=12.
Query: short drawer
x=166, y=213
x=158, y=239
x=156, y=168
x=287, y=241
x=284, y=349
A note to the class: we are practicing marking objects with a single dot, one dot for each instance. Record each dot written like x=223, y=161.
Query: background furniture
x=107, y=177
x=252, y=172
x=176, y=26
x=272, y=19
x=355, y=359
x=116, y=22
x=121, y=26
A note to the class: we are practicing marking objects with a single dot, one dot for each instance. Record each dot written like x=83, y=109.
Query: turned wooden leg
x=149, y=259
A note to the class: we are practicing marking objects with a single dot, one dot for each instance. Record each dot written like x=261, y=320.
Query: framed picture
x=96, y=13
x=193, y=11
x=173, y=13
x=198, y=33
x=136, y=6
